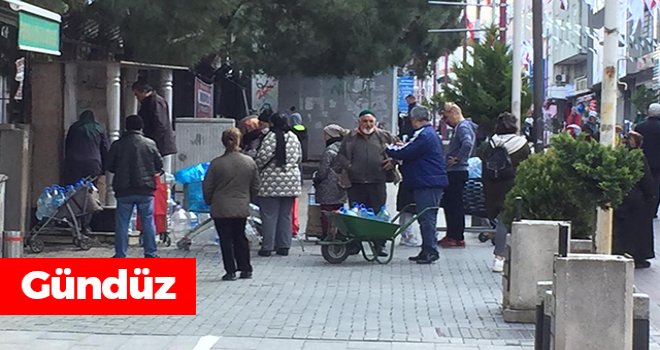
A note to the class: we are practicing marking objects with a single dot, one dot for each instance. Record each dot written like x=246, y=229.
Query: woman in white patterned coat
x=278, y=160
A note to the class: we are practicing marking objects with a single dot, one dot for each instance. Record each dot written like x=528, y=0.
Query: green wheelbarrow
x=352, y=231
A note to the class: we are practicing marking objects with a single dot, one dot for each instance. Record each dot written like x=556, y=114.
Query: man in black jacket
x=406, y=129
x=135, y=161
x=156, y=116
x=650, y=129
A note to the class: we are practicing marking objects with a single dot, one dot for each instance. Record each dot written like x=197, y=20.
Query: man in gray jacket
x=135, y=161
x=460, y=149
x=362, y=155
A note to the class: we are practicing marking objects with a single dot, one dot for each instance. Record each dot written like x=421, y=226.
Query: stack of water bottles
x=53, y=197
x=360, y=210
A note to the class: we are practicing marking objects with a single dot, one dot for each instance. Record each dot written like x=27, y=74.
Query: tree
x=483, y=88
x=278, y=37
x=643, y=97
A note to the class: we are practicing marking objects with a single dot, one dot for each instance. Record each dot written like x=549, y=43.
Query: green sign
x=38, y=34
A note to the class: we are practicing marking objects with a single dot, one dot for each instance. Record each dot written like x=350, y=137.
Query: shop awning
x=38, y=28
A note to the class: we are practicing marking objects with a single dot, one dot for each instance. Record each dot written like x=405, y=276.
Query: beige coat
x=231, y=183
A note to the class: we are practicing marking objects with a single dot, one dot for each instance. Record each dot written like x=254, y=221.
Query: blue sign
x=406, y=87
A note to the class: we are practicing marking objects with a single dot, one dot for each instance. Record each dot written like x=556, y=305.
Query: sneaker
x=229, y=277
x=452, y=243
x=151, y=256
x=417, y=257
x=428, y=259
x=498, y=265
x=443, y=240
x=413, y=242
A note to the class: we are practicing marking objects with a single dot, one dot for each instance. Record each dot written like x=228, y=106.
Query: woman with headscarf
x=633, y=219
x=329, y=193
x=85, y=150
x=278, y=160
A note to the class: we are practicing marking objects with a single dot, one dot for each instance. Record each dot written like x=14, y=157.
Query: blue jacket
x=423, y=160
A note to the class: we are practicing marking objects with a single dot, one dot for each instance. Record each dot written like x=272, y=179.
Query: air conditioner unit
x=560, y=79
x=581, y=85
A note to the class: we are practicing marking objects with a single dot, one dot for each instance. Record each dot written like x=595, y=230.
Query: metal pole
x=503, y=21
x=455, y=30
x=516, y=82
x=449, y=3
x=537, y=34
x=608, y=112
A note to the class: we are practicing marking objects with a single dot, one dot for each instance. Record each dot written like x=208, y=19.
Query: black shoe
x=416, y=258
x=264, y=252
x=642, y=264
x=428, y=259
x=151, y=256
x=229, y=277
x=283, y=251
x=246, y=275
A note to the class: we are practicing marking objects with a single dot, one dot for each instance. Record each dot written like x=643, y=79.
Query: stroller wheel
x=166, y=239
x=483, y=237
x=36, y=245
x=86, y=243
x=183, y=244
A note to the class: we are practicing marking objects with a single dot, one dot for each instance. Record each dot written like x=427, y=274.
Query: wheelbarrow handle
x=401, y=212
x=414, y=218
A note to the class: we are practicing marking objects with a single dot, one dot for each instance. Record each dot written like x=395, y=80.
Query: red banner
x=98, y=286
x=203, y=99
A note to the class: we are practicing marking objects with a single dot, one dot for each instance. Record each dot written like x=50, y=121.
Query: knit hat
x=654, y=110
x=265, y=115
x=367, y=111
x=334, y=130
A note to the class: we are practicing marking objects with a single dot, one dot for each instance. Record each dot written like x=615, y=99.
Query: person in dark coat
x=495, y=191
x=135, y=161
x=650, y=129
x=86, y=149
x=156, y=115
x=633, y=219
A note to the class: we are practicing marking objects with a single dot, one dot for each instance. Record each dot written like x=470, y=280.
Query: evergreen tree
x=483, y=88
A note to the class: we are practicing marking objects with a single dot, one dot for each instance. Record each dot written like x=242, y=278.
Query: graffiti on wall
x=265, y=92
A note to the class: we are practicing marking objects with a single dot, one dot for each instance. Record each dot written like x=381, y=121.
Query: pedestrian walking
x=278, y=160
x=329, y=192
x=362, y=155
x=460, y=149
x=230, y=185
x=633, y=219
x=501, y=158
x=85, y=150
x=650, y=129
x=135, y=161
x=155, y=113
x=425, y=175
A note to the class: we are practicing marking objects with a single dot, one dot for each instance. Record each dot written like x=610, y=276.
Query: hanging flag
x=650, y=5
x=635, y=13
x=470, y=26
x=563, y=4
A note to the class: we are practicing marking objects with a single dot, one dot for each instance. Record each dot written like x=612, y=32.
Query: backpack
x=498, y=166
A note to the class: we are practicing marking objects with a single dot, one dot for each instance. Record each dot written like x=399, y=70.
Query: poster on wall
x=406, y=87
x=203, y=99
x=20, y=78
x=265, y=92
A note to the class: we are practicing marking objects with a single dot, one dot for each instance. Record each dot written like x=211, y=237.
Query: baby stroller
x=71, y=216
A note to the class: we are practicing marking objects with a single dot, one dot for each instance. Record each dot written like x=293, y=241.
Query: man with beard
x=362, y=155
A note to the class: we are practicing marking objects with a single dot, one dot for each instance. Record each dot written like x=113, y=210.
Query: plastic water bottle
x=58, y=198
x=193, y=219
x=356, y=208
x=312, y=196
x=70, y=191
x=346, y=211
x=384, y=215
x=133, y=224
x=43, y=204
x=180, y=223
x=370, y=214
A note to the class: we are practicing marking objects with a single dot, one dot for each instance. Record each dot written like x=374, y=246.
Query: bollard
x=593, y=302
x=12, y=244
x=541, y=288
x=518, y=209
x=641, y=324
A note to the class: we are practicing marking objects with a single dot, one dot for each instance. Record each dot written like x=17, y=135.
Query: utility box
x=199, y=140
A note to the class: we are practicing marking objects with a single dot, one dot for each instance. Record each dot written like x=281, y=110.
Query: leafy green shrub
x=570, y=180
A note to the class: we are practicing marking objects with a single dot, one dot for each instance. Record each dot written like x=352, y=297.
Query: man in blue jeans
x=425, y=174
x=135, y=161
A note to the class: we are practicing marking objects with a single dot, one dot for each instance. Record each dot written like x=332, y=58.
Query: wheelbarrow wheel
x=335, y=254
x=484, y=237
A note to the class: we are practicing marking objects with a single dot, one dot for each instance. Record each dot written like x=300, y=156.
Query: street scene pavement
x=303, y=302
